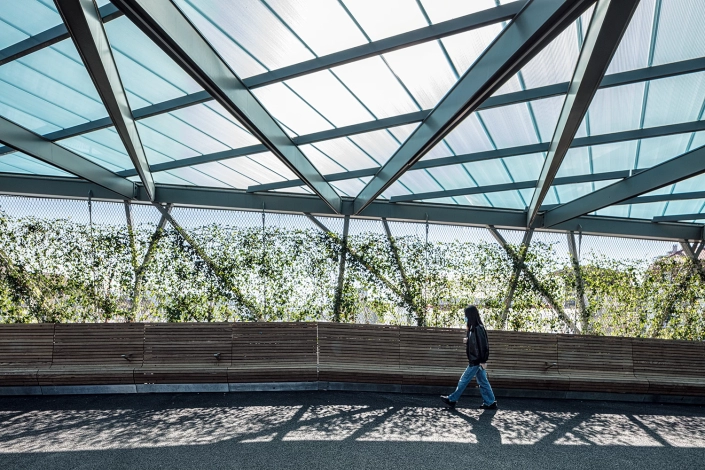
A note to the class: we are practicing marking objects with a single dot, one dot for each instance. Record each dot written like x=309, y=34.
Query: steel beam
x=49, y=37
x=694, y=256
x=170, y=30
x=579, y=284
x=609, y=22
x=214, y=198
x=531, y=30
x=611, y=175
x=341, y=270
x=28, y=142
x=516, y=273
x=85, y=25
x=679, y=217
x=672, y=171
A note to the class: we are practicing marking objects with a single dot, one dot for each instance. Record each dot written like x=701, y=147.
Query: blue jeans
x=481, y=377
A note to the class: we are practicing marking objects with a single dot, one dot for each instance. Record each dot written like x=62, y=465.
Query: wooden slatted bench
x=358, y=353
x=94, y=354
x=432, y=356
x=598, y=364
x=274, y=352
x=524, y=361
x=186, y=353
x=24, y=349
x=671, y=367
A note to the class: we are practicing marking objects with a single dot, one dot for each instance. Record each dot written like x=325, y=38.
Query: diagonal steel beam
x=85, y=25
x=170, y=30
x=49, y=37
x=495, y=188
x=609, y=22
x=38, y=147
x=532, y=29
x=677, y=169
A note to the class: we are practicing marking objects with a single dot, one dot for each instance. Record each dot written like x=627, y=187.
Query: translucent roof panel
x=419, y=181
x=674, y=100
x=292, y=111
x=147, y=73
x=467, y=137
x=452, y=177
x=489, y=172
x=240, y=25
x=525, y=167
x=351, y=187
x=614, y=109
x=696, y=183
x=323, y=25
x=103, y=147
x=343, y=152
x=507, y=200
x=660, y=149
x=195, y=130
x=329, y=97
x=372, y=81
x=383, y=19
x=190, y=176
x=226, y=174
x=21, y=20
x=633, y=50
x=681, y=35
x=684, y=207
x=49, y=90
x=262, y=167
x=378, y=145
x=18, y=162
x=569, y=192
x=425, y=72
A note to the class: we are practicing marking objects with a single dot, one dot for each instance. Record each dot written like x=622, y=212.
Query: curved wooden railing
x=46, y=358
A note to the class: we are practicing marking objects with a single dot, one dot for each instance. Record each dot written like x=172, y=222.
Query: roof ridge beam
x=34, y=145
x=669, y=172
x=531, y=30
x=164, y=23
x=49, y=37
x=83, y=21
x=679, y=217
x=609, y=22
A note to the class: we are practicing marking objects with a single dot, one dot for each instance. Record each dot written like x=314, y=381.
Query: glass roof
x=368, y=100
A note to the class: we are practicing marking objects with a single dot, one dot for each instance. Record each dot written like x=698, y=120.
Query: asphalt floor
x=343, y=430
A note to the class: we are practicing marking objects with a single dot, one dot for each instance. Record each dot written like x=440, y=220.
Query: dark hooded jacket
x=477, y=348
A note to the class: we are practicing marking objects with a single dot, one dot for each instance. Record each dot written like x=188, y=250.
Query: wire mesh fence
x=92, y=261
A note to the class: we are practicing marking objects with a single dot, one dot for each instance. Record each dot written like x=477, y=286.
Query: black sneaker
x=493, y=406
x=451, y=404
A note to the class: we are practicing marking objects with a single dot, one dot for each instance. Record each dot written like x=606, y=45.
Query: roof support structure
x=579, y=284
x=694, y=255
x=85, y=25
x=672, y=171
x=338, y=302
x=28, y=142
x=162, y=21
x=530, y=31
x=609, y=22
x=215, y=198
x=677, y=217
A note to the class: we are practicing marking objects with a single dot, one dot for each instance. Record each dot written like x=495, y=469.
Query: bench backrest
x=432, y=347
x=594, y=353
x=669, y=357
x=267, y=343
x=361, y=345
x=534, y=352
x=26, y=345
x=188, y=344
x=99, y=344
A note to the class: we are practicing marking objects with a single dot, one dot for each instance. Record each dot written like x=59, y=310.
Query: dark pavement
x=343, y=430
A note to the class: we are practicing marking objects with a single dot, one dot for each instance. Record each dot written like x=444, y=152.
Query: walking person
x=478, y=351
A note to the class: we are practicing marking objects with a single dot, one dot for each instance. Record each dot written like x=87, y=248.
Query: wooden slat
x=24, y=348
x=671, y=367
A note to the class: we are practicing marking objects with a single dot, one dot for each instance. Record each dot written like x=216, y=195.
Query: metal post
x=514, y=280
x=341, y=271
x=693, y=253
x=133, y=258
x=579, y=284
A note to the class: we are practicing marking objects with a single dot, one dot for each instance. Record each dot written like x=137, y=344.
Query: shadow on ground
x=341, y=430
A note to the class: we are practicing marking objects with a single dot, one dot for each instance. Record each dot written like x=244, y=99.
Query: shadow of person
x=485, y=432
